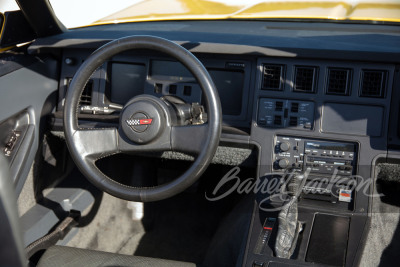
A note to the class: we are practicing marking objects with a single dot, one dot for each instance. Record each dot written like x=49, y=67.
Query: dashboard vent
x=373, y=83
x=338, y=81
x=273, y=77
x=86, y=97
x=304, y=79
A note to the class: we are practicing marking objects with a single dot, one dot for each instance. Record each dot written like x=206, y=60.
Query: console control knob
x=284, y=146
x=283, y=163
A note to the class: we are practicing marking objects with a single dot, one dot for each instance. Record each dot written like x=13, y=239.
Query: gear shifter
x=289, y=226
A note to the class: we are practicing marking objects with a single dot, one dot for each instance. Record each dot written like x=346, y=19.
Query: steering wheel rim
x=111, y=140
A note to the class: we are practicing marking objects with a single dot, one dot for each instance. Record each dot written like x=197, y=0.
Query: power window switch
x=9, y=145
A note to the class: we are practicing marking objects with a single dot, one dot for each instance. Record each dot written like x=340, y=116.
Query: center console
x=329, y=207
x=305, y=127
x=325, y=209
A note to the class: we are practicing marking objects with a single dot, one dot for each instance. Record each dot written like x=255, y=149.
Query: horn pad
x=142, y=121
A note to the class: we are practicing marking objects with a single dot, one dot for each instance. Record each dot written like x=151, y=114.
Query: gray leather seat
x=60, y=256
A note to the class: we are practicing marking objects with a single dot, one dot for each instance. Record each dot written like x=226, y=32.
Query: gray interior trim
x=38, y=220
x=371, y=42
x=12, y=251
x=41, y=80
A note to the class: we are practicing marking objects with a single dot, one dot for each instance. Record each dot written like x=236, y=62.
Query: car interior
x=233, y=142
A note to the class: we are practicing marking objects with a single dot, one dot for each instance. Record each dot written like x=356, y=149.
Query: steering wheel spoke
x=129, y=147
x=96, y=143
x=188, y=139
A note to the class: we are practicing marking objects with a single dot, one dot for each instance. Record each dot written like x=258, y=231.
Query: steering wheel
x=146, y=124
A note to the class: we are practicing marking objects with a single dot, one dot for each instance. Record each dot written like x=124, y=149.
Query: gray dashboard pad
x=352, y=119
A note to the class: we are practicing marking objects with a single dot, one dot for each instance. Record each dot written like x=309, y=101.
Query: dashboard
x=325, y=81
x=323, y=96
x=315, y=80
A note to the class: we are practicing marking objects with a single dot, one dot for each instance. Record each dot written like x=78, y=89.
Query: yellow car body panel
x=2, y=49
x=160, y=10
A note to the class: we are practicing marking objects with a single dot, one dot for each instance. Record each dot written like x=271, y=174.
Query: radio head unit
x=322, y=157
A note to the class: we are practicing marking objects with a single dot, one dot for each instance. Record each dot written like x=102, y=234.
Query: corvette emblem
x=136, y=122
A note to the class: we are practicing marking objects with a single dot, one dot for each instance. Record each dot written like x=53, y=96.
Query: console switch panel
x=283, y=113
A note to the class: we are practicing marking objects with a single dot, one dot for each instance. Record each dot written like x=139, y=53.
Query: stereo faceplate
x=321, y=156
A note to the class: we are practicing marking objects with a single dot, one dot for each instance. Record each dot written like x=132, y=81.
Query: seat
x=61, y=256
x=12, y=251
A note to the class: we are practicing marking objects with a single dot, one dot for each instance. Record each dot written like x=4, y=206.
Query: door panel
x=27, y=95
x=18, y=136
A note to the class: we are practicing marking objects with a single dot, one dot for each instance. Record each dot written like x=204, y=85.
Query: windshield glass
x=76, y=13
x=8, y=5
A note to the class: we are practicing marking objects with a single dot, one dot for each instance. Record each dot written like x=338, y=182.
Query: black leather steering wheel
x=146, y=124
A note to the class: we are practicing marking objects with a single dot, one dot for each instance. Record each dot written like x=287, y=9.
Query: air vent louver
x=338, y=81
x=293, y=121
x=373, y=83
x=86, y=97
x=273, y=77
x=304, y=79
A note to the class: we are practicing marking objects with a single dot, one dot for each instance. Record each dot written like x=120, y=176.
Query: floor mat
x=112, y=229
x=383, y=244
x=180, y=228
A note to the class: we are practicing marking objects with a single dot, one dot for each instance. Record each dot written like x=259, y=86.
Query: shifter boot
x=289, y=226
x=288, y=230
